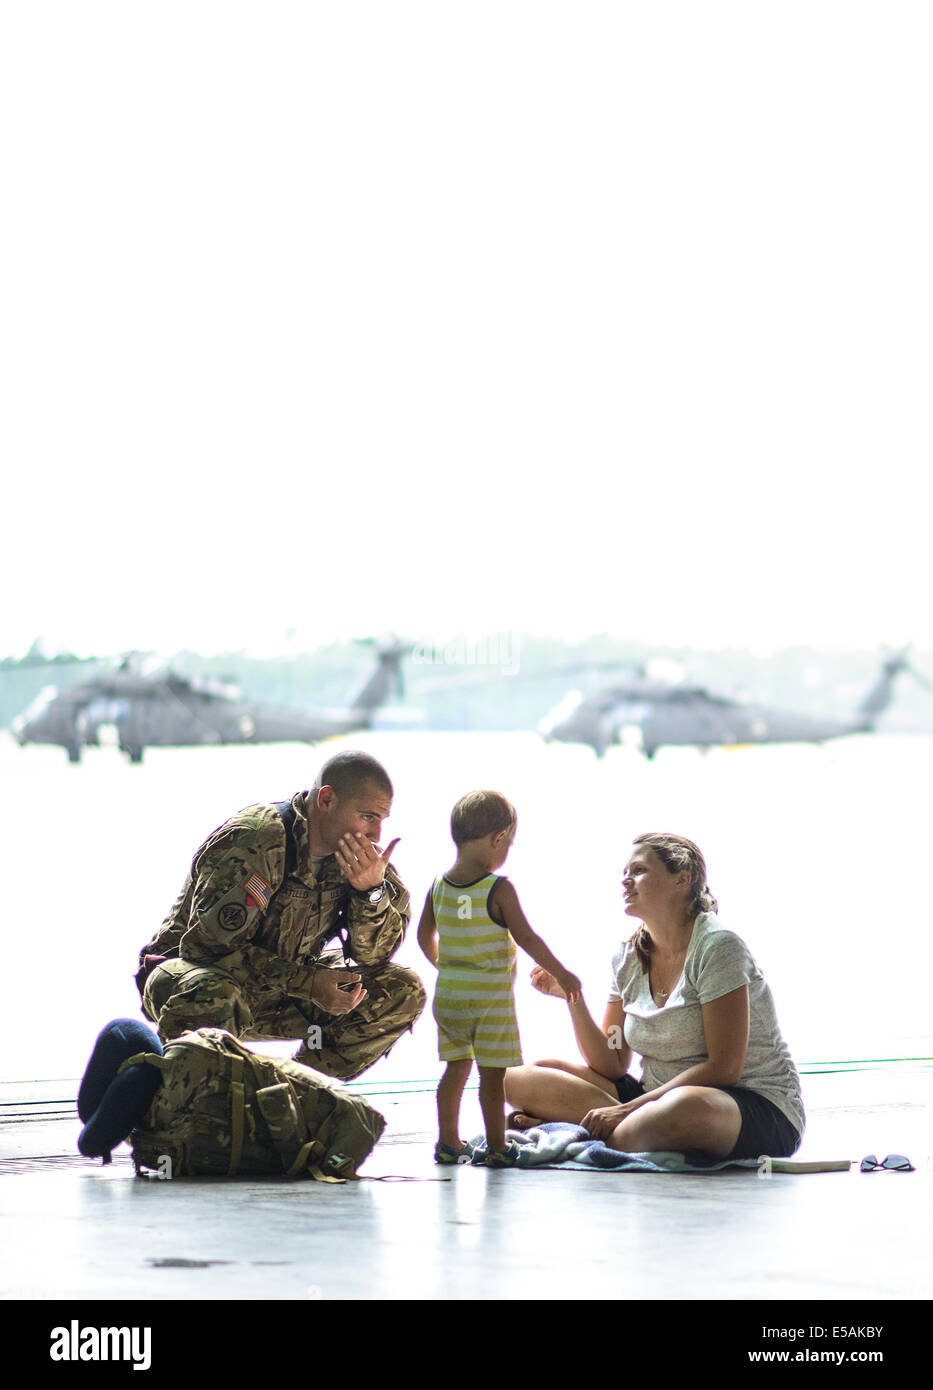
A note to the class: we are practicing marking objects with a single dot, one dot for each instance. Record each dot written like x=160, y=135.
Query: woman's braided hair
x=676, y=854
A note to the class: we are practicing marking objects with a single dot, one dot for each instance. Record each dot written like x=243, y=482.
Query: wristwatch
x=371, y=895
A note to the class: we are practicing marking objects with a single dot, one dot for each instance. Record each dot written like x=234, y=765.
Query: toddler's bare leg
x=449, y=1096
x=492, y=1104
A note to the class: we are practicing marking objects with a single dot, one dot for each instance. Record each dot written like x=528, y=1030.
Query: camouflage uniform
x=240, y=948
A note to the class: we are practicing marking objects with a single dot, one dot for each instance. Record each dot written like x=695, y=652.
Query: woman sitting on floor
x=717, y=1077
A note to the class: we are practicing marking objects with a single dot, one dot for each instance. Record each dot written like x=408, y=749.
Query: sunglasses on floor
x=897, y=1163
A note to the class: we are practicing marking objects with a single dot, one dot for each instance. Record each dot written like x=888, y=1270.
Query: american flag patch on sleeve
x=258, y=892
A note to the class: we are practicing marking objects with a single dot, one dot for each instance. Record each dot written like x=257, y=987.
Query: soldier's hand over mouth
x=362, y=863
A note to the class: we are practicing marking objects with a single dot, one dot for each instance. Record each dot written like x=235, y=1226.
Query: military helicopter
x=651, y=714
x=167, y=710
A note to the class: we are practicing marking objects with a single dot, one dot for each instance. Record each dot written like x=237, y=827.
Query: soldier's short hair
x=350, y=771
x=479, y=814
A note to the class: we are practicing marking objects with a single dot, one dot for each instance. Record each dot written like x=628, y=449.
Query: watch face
x=375, y=895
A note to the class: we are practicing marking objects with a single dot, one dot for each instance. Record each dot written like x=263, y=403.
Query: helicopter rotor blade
x=898, y=659
x=918, y=676
x=468, y=678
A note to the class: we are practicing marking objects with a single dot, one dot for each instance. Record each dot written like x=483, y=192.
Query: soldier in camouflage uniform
x=243, y=946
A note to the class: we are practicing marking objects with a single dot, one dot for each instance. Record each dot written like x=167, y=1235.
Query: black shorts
x=765, y=1129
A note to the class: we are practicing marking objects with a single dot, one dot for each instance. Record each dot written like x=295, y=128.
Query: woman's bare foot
x=520, y=1121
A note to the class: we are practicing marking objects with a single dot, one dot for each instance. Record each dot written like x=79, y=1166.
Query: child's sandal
x=498, y=1158
x=443, y=1153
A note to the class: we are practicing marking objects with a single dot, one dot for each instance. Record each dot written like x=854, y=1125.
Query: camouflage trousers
x=180, y=997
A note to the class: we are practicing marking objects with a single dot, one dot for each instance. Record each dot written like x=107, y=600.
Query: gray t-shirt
x=671, y=1039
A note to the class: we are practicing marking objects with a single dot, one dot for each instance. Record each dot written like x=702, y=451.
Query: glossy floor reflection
x=73, y=1229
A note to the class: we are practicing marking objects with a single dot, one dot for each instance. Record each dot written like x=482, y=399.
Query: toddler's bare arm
x=504, y=903
x=427, y=931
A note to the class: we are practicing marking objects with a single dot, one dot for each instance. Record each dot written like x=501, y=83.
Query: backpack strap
x=154, y=1059
x=314, y=1150
x=287, y=814
x=237, y=1114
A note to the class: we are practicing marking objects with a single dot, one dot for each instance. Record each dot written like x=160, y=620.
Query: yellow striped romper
x=473, y=1004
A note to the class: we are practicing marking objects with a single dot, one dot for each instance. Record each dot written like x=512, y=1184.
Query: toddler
x=471, y=921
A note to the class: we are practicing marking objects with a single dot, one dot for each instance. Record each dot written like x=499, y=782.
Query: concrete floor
x=72, y=1229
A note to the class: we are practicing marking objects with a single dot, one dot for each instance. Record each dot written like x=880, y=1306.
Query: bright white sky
x=329, y=319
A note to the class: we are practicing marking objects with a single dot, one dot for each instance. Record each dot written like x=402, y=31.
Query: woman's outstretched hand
x=545, y=982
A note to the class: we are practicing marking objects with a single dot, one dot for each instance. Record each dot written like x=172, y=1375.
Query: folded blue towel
x=558, y=1145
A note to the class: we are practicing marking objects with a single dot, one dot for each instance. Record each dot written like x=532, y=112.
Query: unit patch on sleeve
x=258, y=892
x=231, y=916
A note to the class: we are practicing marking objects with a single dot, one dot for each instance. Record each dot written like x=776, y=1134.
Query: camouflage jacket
x=235, y=911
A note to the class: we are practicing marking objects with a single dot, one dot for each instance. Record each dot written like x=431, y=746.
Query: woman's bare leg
x=690, y=1117
x=554, y=1090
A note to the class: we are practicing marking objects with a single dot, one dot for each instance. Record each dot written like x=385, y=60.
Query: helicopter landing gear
x=74, y=752
x=134, y=753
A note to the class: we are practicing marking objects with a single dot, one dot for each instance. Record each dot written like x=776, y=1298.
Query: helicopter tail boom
x=385, y=679
x=879, y=696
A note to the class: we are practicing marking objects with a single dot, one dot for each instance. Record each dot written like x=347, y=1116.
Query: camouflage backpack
x=223, y=1110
